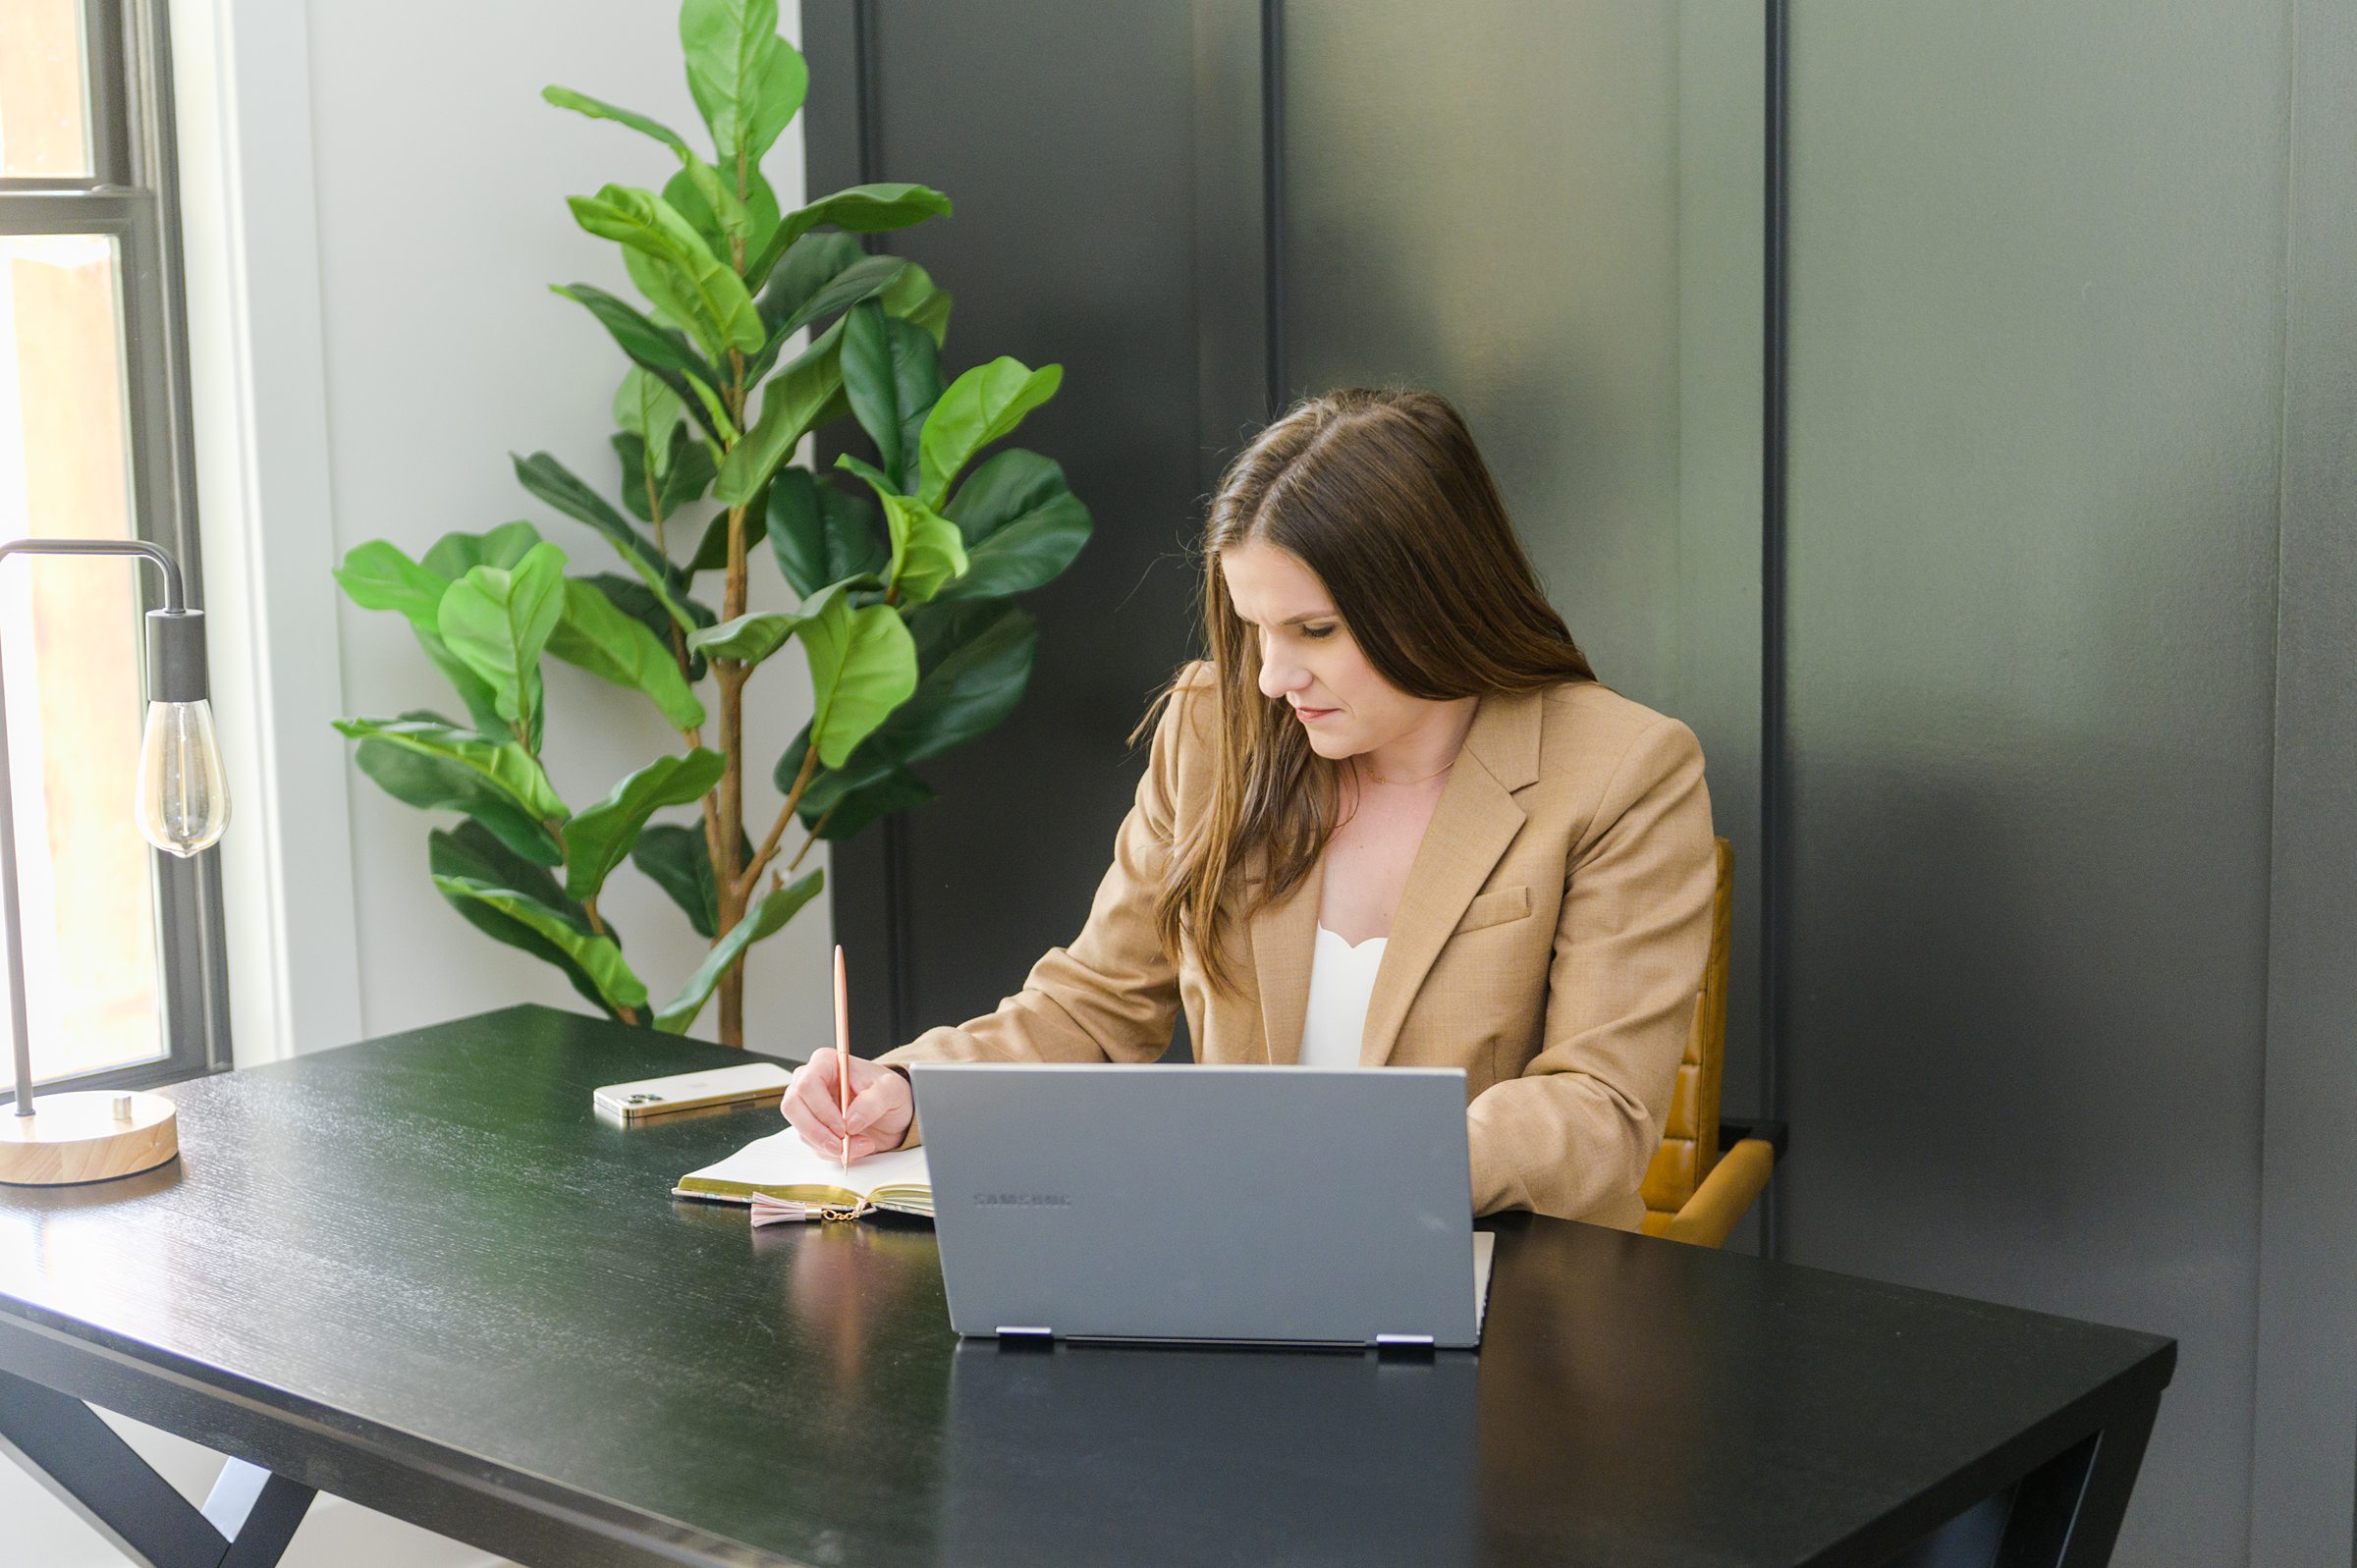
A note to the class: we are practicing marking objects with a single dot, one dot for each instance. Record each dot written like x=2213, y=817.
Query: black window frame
x=131, y=195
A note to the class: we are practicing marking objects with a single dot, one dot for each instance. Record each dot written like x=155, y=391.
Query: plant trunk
x=729, y=866
x=732, y=1007
x=729, y=677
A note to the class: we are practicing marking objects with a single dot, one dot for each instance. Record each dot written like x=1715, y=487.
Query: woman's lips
x=1311, y=715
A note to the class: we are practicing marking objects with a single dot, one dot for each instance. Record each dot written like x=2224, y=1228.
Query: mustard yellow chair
x=1692, y=1191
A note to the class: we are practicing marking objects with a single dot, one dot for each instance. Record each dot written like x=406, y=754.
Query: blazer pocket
x=1494, y=908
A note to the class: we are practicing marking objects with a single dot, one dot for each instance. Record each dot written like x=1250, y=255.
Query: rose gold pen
x=843, y=1053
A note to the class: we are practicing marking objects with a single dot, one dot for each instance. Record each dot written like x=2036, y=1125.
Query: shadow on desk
x=1096, y=1453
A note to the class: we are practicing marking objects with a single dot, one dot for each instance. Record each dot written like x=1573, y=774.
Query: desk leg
x=2067, y=1512
x=245, y=1523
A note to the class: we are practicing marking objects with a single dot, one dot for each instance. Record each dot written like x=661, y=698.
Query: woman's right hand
x=880, y=1110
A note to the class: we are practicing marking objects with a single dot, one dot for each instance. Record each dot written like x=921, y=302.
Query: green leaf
x=819, y=534
x=707, y=198
x=892, y=376
x=821, y=349
x=1022, y=525
x=828, y=786
x=620, y=649
x=597, y=109
x=747, y=82
x=913, y=298
x=658, y=350
x=863, y=278
x=683, y=484
x=790, y=404
x=877, y=480
x=455, y=555
x=864, y=209
x=545, y=476
x=452, y=557
x=699, y=192
x=632, y=598
x=618, y=990
x=472, y=690
x=469, y=851
x=764, y=919
x=977, y=658
x=376, y=576
x=748, y=638
x=927, y=550
x=974, y=659
x=676, y=858
x=674, y=268
x=596, y=840
x=502, y=765
x=379, y=577
x=664, y=351
x=645, y=407
x=862, y=665
x=942, y=630
x=712, y=207
x=716, y=413
x=981, y=405
x=431, y=782
x=712, y=551
x=800, y=271
x=498, y=621
x=848, y=813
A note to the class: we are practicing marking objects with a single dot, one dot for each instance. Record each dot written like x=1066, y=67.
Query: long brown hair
x=1381, y=493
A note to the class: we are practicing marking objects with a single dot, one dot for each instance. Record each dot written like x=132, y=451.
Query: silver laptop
x=1291, y=1206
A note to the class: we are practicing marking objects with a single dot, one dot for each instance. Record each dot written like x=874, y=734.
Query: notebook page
x=1484, y=1244
x=783, y=1165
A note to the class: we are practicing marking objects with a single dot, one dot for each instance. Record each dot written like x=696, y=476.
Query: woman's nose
x=1280, y=674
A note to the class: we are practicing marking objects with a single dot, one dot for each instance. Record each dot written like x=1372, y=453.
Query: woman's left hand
x=876, y=1121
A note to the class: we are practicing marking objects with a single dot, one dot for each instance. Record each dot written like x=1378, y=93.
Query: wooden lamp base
x=87, y=1135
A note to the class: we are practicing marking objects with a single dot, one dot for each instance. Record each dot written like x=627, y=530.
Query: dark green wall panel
x=2061, y=1004
x=1061, y=130
x=2305, y=1450
x=2035, y=351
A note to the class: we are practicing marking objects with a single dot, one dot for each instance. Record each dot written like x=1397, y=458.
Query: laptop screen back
x=1217, y=1203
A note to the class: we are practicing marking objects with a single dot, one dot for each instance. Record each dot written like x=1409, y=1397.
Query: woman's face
x=1308, y=658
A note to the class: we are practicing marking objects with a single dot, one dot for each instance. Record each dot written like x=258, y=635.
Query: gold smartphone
x=751, y=1083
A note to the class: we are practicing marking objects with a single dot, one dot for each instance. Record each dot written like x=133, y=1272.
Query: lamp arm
x=175, y=601
x=155, y=555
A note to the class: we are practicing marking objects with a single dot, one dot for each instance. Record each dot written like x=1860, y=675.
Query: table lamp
x=181, y=806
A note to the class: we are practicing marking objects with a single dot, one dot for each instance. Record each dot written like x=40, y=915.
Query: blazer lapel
x=1474, y=820
x=1285, y=940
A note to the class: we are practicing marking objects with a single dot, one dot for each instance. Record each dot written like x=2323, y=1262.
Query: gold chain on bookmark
x=769, y=1209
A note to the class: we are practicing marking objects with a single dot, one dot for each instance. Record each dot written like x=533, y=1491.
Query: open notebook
x=782, y=1178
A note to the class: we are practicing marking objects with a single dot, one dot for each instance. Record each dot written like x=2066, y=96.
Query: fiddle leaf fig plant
x=755, y=326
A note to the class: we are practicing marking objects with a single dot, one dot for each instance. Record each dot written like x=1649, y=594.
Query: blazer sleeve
x=1112, y=993
x=1579, y=1128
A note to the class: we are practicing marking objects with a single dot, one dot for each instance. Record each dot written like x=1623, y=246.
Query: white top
x=1341, y=978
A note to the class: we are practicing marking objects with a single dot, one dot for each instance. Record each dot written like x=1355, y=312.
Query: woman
x=1394, y=819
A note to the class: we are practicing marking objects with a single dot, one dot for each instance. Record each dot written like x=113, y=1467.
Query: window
x=123, y=956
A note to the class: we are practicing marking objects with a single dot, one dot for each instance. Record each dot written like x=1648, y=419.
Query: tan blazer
x=1549, y=941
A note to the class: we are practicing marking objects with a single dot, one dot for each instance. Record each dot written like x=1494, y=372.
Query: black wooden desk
x=419, y=1272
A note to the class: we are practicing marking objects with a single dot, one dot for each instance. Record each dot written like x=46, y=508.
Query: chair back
x=1690, y=1140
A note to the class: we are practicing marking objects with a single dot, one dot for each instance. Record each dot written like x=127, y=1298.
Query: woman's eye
x=1317, y=631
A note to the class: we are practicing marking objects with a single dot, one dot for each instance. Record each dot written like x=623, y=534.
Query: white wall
x=375, y=209
x=442, y=223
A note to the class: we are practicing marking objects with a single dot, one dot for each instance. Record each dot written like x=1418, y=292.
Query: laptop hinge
x=1018, y=1334
x=1403, y=1344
